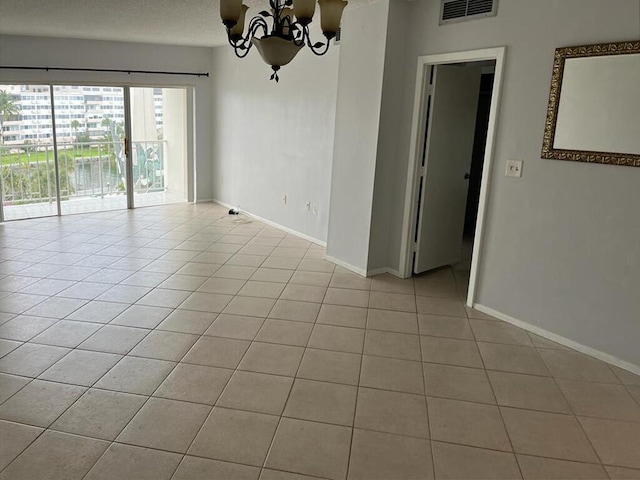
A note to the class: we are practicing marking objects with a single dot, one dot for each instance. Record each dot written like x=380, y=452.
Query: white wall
x=362, y=60
x=562, y=244
x=275, y=139
x=389, y=143
x=174, y=131
x=54, y=52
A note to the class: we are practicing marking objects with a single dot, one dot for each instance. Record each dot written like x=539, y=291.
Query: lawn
x=40, y=156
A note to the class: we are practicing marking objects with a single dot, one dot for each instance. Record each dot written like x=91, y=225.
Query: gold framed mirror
x=594, y=105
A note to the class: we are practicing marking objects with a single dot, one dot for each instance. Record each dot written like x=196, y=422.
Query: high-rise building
x=79, y=111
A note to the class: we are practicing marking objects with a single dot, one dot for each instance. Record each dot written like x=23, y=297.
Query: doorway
x=452, y=146
x=462, y=269
x=64, y=149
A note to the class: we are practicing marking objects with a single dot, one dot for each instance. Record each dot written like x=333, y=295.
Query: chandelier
x=289, y=31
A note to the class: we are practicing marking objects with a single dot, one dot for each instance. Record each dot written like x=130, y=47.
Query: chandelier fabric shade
x=289, y=31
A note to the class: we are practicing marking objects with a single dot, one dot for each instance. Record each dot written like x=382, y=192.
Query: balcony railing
x=91, y=169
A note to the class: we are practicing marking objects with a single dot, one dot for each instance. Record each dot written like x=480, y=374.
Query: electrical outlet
x=308, y=205
x=514, y=168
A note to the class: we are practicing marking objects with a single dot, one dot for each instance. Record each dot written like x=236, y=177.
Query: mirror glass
x=599, y=105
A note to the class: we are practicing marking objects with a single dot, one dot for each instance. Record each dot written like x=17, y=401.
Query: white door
x=448, y=152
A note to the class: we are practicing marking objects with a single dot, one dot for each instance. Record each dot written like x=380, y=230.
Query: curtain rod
x=108, y=70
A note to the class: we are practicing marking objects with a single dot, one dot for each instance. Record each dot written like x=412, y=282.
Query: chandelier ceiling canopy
x=289, y=31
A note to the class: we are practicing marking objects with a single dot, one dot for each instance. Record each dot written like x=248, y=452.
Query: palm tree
x=7, y=108
x=75, y=124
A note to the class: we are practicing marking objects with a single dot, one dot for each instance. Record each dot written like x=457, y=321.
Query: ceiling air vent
x=462, y=10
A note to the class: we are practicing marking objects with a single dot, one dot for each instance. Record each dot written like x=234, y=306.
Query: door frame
x=416, y=151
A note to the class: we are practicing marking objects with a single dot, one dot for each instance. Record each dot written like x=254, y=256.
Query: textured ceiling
x=174, y=22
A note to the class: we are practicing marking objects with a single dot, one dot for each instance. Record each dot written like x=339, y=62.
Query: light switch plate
x=514, y=168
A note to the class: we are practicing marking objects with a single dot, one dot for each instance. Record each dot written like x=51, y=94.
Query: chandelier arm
x=242, y=46
x=241, y=52
x=320, y=51
x=255, y=23
x=318, y=48
x=297, y=28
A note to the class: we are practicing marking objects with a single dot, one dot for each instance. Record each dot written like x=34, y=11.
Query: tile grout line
x=575, y=416
x=221, y=392
x=25, y=447
x=271, y=343
x=48, y=428
x=424, y=387
x=284, y=406
x=313, y=421
x=71, y=349
x=366, y=329
x=151, y=396
x=504, y=424
x=355, y=408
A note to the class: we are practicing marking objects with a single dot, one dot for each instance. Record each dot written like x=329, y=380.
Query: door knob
x=467, y=176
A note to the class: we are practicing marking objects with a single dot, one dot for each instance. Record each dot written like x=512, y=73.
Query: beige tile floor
x=178, y=343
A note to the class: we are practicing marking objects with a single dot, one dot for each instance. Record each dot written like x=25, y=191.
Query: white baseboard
x=380, y=271
x=592, y=352
x=346, y=265
x=273, y=224
x=224, y=204
x=362, y=272
x=204, y=200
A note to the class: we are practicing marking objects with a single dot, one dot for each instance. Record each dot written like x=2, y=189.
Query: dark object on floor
x=234, y=211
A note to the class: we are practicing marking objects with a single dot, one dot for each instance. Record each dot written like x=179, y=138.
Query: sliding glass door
x=64, y=148
x=27, y=162
x=90, y=133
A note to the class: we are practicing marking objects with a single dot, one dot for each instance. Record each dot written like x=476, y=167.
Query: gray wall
x=562, y=244
x=275, y=139
x=58, y=52
x=362, y=62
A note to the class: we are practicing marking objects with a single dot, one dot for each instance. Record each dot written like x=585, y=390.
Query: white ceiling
x=174, y=22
